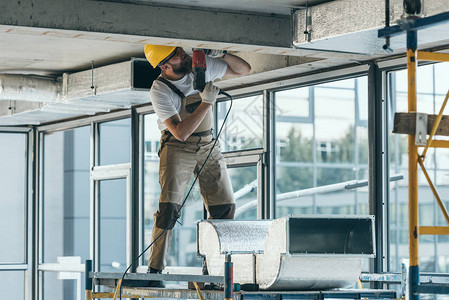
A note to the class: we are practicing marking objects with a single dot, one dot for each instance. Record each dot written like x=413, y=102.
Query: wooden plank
x=405, y=123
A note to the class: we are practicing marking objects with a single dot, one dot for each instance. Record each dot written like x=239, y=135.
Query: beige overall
x=178, y=161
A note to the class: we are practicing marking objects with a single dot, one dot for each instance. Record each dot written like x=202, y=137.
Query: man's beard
x=185, y=67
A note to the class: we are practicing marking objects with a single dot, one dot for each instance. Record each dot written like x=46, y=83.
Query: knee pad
x=166, y=216
x=222, y=211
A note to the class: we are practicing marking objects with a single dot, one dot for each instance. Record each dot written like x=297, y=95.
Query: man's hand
x=215, y=53
x=210, y=93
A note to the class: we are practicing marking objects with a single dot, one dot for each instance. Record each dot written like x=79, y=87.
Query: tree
x=297, y=149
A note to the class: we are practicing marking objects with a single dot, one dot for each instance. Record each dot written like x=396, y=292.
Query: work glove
x=215, y=53
x=210, y=93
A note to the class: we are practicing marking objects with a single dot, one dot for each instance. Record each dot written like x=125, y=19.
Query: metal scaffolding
x=416, y=135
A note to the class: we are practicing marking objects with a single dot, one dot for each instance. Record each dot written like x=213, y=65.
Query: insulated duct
x=304, y=252
x=350, y=26
x=15, y=87
x=102, y=89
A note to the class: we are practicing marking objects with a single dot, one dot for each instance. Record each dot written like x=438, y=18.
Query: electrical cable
x=175, y=219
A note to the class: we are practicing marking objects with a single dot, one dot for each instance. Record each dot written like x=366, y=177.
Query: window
x=244, y=183
x=13, y=197
x=112, y=225
x=114, y=142
x=13, y=214
x=150, y=178
x=244, y=126
x=433, y=252
x=13, y=284
x=321, y=140
x=65, y=206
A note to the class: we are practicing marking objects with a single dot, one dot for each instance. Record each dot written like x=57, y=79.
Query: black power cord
x=188, y=193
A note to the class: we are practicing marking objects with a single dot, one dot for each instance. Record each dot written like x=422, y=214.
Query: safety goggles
x=173, y=54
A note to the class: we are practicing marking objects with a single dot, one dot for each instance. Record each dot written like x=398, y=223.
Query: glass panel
x=13, y=284
x=334, y=126
x=112, y=231
x=443, y=252
x=362, y=96
x=293, y=177
x=430, y=96
x=398, y=154
x=244, y=184
x=336, y=203
x=424, y=80
x=328, y=147
x=427, y=253
x=295, y=206
x=333, y=175
x=425, y=104
x=292, y=103
x=152, y=188
x=441, y=84
x=293, y=136
x=13, y=197
x=362, y=149
x=66, y=200
x=56, y=289
x=115, y=142
x=183, y=246
x=244, y=126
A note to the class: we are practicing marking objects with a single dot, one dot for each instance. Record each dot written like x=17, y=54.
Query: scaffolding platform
x=243, y=295
x=179, y=290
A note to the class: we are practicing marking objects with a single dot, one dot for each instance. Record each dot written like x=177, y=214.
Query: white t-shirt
x=167, y=103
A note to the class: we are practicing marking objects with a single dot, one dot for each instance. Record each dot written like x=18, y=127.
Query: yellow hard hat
x=156, y=53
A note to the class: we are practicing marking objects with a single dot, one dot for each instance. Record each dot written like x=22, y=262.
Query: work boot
x=145, y=283
x=204, y=268
x=155, y=283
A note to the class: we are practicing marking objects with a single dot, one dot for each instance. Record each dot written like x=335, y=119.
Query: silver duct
x=29, y=88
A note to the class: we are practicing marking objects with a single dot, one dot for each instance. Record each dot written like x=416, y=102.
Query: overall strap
x=171, y=86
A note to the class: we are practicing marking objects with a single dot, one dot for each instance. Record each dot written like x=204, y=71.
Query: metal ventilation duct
x=29, y=88
x=351, y=26
x=292, y=253
x=122, y=84
x=116, y=86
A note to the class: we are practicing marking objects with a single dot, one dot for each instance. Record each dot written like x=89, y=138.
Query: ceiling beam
x=153, y=24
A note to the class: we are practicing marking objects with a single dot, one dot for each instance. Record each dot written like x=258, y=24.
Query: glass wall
x=114, y=148
x=244, y=183
x=112, y=225
x=12, y=284
x=321, y=140
x=65, y=206
x=114, y=142
x=432, y=87
x=244, y=126
x=13, y=214
x=13, y=198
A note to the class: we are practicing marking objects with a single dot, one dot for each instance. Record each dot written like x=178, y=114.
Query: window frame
x=27, y=266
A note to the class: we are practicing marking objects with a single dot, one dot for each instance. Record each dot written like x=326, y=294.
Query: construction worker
x=186, y=141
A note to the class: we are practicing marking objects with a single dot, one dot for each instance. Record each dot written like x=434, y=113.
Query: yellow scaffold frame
x=415, y=158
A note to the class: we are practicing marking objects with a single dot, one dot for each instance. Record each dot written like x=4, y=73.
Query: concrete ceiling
x=279, y=7
x=50, y=37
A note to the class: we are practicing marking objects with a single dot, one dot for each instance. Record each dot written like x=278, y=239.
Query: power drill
x=199, y=69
